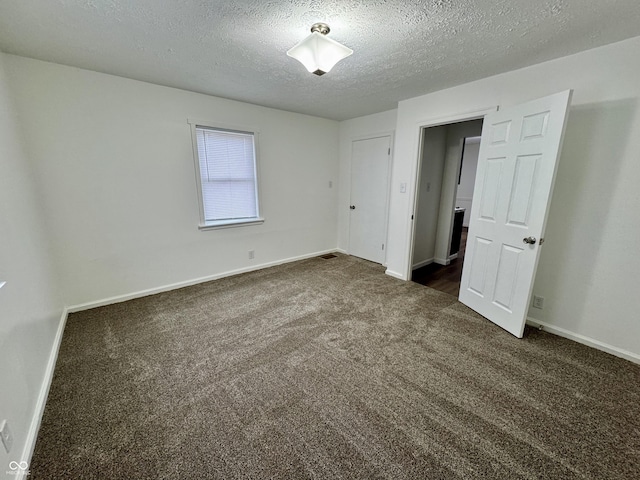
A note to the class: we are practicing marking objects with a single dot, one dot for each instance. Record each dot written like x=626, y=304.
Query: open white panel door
x=517, y=162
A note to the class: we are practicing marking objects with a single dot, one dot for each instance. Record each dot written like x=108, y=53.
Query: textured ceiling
x=236, y=49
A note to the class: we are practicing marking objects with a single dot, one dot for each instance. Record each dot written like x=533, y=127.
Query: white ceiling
x=236, y=49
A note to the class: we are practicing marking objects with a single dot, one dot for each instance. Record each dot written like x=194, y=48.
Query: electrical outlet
x=6, y=435
x=252, y=254
x=538, y=302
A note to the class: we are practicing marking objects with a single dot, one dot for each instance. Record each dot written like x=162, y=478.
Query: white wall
x=464, y=194
x=432, y=162
x=587, y=268
x=114, y=164
x=369, y=126
x=30, y=308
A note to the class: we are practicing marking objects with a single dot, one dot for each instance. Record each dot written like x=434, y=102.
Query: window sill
x=230, y=224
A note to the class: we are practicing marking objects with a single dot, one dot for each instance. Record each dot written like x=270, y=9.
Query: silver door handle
x=529, y=240
x=352, y=207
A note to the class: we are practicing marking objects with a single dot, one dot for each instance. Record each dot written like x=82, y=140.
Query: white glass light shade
x=318, y=53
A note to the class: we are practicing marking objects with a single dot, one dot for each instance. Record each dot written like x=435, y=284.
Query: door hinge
x=389, y=151
x=383, y=246
x=411, y=217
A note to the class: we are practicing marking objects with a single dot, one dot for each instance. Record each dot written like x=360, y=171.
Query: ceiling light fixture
x=318, y=53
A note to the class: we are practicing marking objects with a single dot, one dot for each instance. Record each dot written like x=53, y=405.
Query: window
x=227, y=176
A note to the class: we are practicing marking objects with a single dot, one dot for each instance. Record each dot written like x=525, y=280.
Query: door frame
x=357, y=138
x=417, y=167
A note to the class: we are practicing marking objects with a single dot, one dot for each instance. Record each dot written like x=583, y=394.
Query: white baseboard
x=423, y=263
x=341, y=250
x=453, y=257
x=188, y=283
x=590, y=342
x=442, y=261
x=393, y=274
x=32, y=434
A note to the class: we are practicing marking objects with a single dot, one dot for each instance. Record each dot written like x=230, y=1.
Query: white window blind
x=227, y=164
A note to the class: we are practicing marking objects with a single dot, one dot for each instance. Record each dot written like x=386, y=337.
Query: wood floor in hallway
x=444, y=278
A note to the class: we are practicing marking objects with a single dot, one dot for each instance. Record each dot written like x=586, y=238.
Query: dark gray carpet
x=329, y=369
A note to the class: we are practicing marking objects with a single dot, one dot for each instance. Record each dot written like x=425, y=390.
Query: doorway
x=518, y=160
x=448, y=162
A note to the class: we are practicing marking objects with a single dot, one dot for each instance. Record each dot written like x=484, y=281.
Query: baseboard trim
x=188, y=283
x=442, y=261
x=423, y=263
x=341, y=250
x=393, y=274
x=590, y=342
x=32, y=434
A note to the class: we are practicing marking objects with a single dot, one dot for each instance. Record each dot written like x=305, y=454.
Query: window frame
x=219, y=224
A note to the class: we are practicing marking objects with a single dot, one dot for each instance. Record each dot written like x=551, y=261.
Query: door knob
x=529, y=240
x=352, y=207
